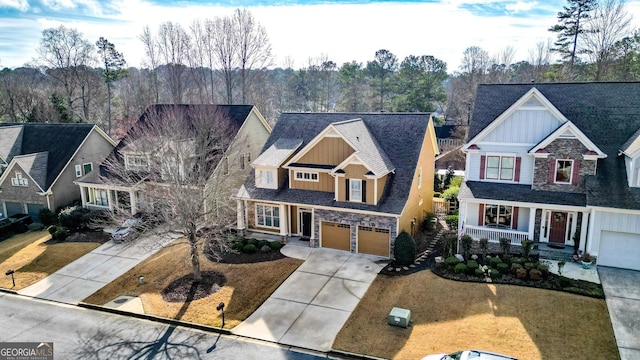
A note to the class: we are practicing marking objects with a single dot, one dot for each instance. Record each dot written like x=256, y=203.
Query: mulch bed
x=243, y=258
x=185, y=289
x=94, y=236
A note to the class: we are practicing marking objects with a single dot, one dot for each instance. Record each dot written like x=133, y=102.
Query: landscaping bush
x=47, y=217
x=275, y=245
x=451, y=261
x=471, y=266
x=52, y=229
x=466, y=241
x=544, y=269
x=495, y=261
x=35, y=226
x=237, y=245
x=564, y=281
x=483, y=243
x=502, y=267
x=249, y=249
x=460, y=268
x=60, y=235
x=262, y=243
x=452, y=221
x=449, y=244
x=535, y=275
x=525, y=249
x=252, y=242
x=478, y=272
x=505, y=245
x=405, y=249
x=74, y=217
x=493, y=273
x=515, y=267
x=521, y=274
x=428, y=223
x=529, y=265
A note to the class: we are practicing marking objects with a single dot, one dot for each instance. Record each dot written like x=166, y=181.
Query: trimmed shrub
x=460, y=268
x=74, y=217
x=262, y=243
x=47, y=217
x=52, y=229
x=449, y=244
x=237, y=245
x=564, y=281
x=61, y=234
x=451, y=261
x=466, y=241
x=529, y=265
x=478, y=272
x=275, y=245
x=493, y=273
x=502, y=267
x=535, y=275
x=483, y=243
x=249, y=249
x=525, y=249
x=404, y=249
x=515, y=267
x=495, y=261
x=544, y=269
x=452, y=221
x=521, y=273
x=505, y=245
x=472, y=265
x=252, y=242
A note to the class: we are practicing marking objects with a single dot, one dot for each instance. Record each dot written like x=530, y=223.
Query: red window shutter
x=575, y=172
x=516, y=175
x=483, y=159
x=552, y=171
x=480, y=214
x=514, y=218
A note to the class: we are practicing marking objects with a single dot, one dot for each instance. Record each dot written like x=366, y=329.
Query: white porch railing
x=494, y=234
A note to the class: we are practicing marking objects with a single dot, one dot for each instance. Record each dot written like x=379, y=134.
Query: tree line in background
x=228, y=60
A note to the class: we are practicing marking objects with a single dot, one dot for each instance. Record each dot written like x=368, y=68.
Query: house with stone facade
x=39, y=162
x=349, y=181
x=558, y=164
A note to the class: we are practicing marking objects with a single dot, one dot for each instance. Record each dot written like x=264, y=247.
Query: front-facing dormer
x=268, y=166
x=631, y=151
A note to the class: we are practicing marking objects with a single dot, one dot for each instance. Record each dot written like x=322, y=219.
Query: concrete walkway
x=86, y=275
x=311, y=306
x=622, y=294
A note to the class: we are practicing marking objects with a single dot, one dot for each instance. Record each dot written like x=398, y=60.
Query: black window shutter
x=346, y=190
x=364, y=191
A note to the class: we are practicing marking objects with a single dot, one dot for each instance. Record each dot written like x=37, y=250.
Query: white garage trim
x=619, y=249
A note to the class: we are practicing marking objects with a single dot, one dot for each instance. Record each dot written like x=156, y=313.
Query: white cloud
x=521, y=6
x=22, y=5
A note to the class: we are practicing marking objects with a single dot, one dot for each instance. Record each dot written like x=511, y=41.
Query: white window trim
x=638, y=177
x=130, y=162
x=259, y=177
x=420, y=178
x=83, y=165
x=500, y=156
x=19, y=180
x=484, y=222
x=78, y=170
x=303, y=173
x=570, y=173
x=351, y=182
x=264, y=216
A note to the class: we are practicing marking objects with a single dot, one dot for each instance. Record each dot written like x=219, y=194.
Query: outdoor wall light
x=11, y=272
x=220, y=308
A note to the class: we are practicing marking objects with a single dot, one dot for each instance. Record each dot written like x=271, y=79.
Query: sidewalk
x=81, y=278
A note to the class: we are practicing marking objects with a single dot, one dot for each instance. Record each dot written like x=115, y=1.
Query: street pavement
x=622, y=294
x=86, y=275
x=79, y=333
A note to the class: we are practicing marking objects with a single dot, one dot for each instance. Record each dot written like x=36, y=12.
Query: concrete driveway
x=86, y=275
x=311, y=306
x=622, y=294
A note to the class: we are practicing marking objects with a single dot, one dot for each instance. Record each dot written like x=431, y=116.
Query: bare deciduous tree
x=174, y=45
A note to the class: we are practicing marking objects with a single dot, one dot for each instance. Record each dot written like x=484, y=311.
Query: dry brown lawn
x=33, y=259
x=247, y=287
x=448, y=316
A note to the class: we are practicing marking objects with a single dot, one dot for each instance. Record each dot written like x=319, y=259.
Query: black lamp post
x=220, y=308
x=11, y=272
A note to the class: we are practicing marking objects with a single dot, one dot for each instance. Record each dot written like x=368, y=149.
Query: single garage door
x=619, y=249
x=14, y=208
x=34, y=211
x=374, y=241
x=336, y=236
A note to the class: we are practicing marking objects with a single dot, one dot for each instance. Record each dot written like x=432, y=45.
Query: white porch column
x=532, y=222
x=583, y=230
x=83, y=195
x=283, y=220
x=240, y=214
x=133, y=199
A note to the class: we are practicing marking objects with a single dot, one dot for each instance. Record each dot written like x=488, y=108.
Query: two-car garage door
x=619, y=249
x=371, y=240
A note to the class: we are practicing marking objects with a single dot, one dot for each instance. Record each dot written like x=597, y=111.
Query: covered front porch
x=552, y=226
x=114, y=199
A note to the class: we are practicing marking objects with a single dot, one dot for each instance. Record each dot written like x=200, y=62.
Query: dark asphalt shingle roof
x=520, y=193
x=60, y=141
x=608, y=113
x=399, y=135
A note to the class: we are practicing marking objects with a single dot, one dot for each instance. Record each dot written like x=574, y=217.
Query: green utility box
x=399, y=317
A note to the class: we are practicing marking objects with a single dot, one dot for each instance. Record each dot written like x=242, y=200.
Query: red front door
x=558, y=232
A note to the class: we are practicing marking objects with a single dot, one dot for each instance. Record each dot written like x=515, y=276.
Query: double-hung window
x=268, y=216
x=306, y=176
x=266, y=177
x=500, y=167
x=563, y=171
x=498, y=215
x=355, y=190
x=101, y=197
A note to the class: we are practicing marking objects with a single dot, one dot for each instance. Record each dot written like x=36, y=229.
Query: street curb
x=348, y=355
x=172, y=322
x=8, y=291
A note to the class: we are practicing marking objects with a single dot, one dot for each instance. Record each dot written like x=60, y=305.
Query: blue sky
x=341, y=30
